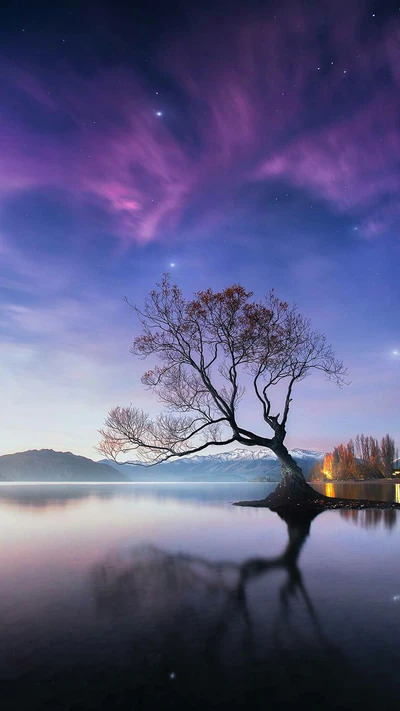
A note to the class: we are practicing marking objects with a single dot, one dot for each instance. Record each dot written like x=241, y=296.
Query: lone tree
x=211, y=350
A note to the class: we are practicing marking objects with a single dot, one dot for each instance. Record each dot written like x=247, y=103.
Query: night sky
x=253, y=142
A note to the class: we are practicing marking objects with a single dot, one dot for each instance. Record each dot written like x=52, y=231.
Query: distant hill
x=237, y=465
x=48, y=465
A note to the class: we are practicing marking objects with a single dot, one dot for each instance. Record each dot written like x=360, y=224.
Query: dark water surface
x=165, y=596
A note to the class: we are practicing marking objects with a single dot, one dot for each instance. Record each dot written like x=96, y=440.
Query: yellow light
x=330, y=490
x=327, y=466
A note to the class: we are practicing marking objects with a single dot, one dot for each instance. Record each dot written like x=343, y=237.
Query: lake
x=165, y=596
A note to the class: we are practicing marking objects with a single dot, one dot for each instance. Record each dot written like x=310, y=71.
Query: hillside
x=237, y=465
x=48, y=465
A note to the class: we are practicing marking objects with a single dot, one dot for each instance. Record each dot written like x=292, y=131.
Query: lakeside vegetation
x=360, y=459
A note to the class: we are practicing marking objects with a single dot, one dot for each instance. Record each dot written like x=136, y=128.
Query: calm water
x=168, y=597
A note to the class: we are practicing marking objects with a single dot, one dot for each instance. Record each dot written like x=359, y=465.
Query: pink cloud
x=258, y=108
x=353, y=164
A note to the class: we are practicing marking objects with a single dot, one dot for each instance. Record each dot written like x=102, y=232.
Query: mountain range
x=236, y=465
x=48, y=465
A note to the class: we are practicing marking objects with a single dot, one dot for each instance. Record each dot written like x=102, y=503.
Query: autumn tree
x=317, y=471
x=209, y=352
x=388, y=454
x=368, y=450
x=363, y=458
x=362, y=447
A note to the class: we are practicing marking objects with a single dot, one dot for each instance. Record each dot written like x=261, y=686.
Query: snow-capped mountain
x=236, y=465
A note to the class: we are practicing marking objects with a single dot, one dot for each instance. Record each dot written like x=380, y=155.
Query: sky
x=252, y=142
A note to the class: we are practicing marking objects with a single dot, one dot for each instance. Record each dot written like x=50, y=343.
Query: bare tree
x=210, y=350
x=388, y=454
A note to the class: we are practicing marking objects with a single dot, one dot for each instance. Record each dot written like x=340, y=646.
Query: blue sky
x=259, y=148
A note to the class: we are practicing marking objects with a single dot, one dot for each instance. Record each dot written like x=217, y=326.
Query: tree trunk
x=293, y=487
x=294, y=494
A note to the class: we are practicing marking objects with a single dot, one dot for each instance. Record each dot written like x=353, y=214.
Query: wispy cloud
x=254, y=110
x=60, y=374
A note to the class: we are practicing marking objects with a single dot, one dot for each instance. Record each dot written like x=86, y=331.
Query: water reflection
x=42, y=496
x=59, y=495
x=167, y=597
x=330, y=489
x=370, y=518
x=149, y=577
x=373, y=490
x=195, y=621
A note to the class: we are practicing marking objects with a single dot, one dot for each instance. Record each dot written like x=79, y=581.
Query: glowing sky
x=245, y=142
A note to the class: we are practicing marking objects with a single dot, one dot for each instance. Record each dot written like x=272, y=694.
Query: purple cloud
x=352, y=165
x=256, y=113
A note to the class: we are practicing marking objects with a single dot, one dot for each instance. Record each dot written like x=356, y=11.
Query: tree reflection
x=196, y=619
x=137, y=577
x=370, y=518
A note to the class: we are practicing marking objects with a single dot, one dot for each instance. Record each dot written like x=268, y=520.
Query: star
x=159, y=113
